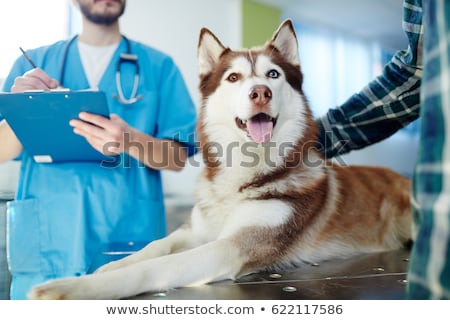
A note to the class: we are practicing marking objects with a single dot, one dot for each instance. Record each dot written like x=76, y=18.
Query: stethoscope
x=127, y=57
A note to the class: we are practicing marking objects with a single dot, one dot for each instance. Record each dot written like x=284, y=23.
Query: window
x=335, y=66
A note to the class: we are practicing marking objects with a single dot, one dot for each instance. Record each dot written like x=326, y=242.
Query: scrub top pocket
x=23, y=227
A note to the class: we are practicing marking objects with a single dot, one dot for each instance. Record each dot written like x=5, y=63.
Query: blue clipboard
x=40, y=121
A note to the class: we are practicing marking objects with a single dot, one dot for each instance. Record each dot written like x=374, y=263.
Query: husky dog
x=266, y=200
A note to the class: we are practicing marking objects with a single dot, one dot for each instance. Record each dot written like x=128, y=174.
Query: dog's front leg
x=213, y=261
x=180, y=239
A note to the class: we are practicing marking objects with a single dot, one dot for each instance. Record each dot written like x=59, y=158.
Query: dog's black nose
x=260, y=95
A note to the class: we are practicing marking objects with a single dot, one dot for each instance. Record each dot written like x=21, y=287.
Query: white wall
x=173, y=26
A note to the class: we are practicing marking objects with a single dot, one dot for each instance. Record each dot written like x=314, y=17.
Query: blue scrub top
x=65, y=213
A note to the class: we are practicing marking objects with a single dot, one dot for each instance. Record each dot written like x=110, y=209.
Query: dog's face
x=252, y=95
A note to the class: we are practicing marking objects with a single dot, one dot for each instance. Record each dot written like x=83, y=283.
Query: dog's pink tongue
x=260, y=128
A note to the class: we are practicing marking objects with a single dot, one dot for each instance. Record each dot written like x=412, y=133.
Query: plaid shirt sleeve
x=429, y=268
x=385, y=105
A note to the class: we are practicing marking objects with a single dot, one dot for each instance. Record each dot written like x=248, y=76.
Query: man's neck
x=99, y=35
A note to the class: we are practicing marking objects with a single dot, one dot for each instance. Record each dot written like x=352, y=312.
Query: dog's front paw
x=63, y=289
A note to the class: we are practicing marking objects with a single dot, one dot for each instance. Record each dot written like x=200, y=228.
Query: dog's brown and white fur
x=265, y=199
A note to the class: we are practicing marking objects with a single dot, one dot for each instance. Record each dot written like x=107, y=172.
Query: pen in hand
x=27, y=57
x=56, y=86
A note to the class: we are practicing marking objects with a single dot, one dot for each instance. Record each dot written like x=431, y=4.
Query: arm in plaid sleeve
x=385, y=105
x=429, y=267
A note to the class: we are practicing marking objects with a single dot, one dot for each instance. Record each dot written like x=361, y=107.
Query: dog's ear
x=209, y=51
x=285, y=40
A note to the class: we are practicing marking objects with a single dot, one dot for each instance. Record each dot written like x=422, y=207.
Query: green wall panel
x=259, y=22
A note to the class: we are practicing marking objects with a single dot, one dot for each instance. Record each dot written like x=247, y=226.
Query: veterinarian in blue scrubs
x=65, y=213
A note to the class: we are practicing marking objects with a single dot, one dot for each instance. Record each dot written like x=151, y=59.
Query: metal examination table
x=370, y=276
x=374, y=276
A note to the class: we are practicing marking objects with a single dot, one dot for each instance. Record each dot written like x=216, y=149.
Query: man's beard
x=101, y=18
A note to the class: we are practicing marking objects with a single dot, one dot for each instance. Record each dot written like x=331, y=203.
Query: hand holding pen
x=35, y=79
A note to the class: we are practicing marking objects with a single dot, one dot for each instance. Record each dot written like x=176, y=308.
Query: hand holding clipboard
x=40, y=121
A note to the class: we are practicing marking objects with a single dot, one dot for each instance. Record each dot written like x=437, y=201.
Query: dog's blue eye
x=233, y=77
x=273, y=74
